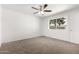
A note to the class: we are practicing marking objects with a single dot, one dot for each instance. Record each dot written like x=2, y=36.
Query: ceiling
x=26, y=8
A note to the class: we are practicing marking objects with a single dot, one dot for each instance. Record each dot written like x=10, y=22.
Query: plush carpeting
x=39, y=45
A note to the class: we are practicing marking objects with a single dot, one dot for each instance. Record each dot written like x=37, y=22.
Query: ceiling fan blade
x=35, y=8
x=45, y=5
x=47, y=10
x=35, y=12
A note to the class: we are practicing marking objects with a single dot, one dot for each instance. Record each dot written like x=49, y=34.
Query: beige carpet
x=40, y=45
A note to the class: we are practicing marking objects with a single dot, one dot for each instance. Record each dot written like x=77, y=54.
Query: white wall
x=66, y=34
x=17, y=26
x=0, y=24
x=62, y=34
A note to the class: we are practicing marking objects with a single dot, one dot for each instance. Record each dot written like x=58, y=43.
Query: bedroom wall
x=71, y=33
x=17, y=26
x=0, y=24
x=62, y=34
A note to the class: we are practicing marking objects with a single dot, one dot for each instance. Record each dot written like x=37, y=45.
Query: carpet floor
x=39, y=45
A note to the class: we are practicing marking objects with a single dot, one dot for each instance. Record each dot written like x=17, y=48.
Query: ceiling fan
x=42, y=9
